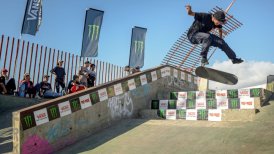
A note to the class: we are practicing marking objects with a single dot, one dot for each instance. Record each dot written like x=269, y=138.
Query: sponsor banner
x=131, y=84
x=53, y=112
x=191, y=94
x=181, y=114
x=110, y=91
x=163, y=104
x=137, y=82
x=168, y=71
x=191, y=114
x=171, y=114
x=85, y=101
x=201, y=103
x=118, y=90
x=175, y=73
x=202, y=114
x=161, y=113
x=28, y=121
x=200, y=94
x=232, y=93
x=94, y=98
x=243, y=93
x=211, y=103
x=75, y=104
x=154, y=104
x=214, y=115
x=210, y=94
x=189, y=78
x=103, y=94
x=190, y=104
x=154, y=76
x=183, y=76
x=173, y=95
x=149, y=78
x=247, y=103
x=64, y=108
x=125, y=86
x=181, y=104
x=143, y=79
x=256, y=92
x=41, y=116
x=196, y=80
x=182, y=95
x=172, y=104
x=234, y=103
x=221, y=94
x=222, y=103
x=165, y=72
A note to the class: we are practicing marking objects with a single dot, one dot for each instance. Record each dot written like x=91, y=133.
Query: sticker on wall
x=243, y=93
x=247, y=103
x=222, y=103
x=233, y=93
x=200, y=94
x=214, y=115
x=41, y=116
x=171, y=114
x=189, y=78
x=190, y=103
x=103, y=94
x=131, y=84
x=201, y=103
x=75, y=104
x=182, y=95
x=181, y=114
x=210, y=94
x=53, y=112
x=191, y=114
x=191, y=94
x=202, y=114
x=183, y=76
x=211, y=103
x=85, y=101
x=154, y=104
x=154, y=76
x=175, y=73
x=64, y=108
x=234, y=103
x=172, y=104
x=118, y=89
x=181, y=103
x=94, y=98
x=143, y=79
x=28, y=121
x=221, y=94
x=256, y=92
x=163, y=104
x=173, y=95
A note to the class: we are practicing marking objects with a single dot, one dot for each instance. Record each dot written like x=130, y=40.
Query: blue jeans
x=208, y=40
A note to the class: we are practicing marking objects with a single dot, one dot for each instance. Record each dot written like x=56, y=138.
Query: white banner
x=201, y=103
x=247, y=103
x=143, y=79
x=189, y=78
x=222, y=103
x=85, y=101
x=200, y=94
x=103, y=95
x=191, y=114
x=221, y=94
x=182, y=95
x=175, y=73
x=214, y=115
x=171, y=114
x=118, y=90
x=41, y=116
x=163, y=105
x=243, y=93
x=64, y=108
x=131, y=84
x=181, y=104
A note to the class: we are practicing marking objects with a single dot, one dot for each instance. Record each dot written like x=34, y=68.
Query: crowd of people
x=85, y=78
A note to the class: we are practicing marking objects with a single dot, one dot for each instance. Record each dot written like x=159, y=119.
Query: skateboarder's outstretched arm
x=189, y=11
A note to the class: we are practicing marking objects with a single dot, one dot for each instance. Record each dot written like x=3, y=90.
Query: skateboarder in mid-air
x=199, y=34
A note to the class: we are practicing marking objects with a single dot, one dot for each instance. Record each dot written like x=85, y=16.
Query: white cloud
x=249, y=74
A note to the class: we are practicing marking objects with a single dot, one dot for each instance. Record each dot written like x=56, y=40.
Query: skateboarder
x=199, y=34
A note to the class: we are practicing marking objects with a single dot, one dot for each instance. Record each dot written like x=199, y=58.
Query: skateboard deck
x=216, y=75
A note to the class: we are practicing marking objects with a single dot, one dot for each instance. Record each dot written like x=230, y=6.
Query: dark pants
x=10, y=86
x=208, y=40
x=58, y=83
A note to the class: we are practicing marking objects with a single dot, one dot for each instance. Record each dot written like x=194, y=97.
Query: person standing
x=6, y=83
x=91, y=76
x=83, y=73
x=59, y=73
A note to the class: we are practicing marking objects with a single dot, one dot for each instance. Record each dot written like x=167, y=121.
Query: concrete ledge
x=149, y=114
x=238, y=115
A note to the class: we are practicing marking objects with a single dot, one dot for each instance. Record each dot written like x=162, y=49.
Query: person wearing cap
x=75, y=85
x=45, y=89
x=83, y=73
x=7, y=85
x=60, y=74
x=91, y=76
x=26, y=87
x=199, y=33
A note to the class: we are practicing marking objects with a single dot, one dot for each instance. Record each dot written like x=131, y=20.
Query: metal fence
x=19, y=57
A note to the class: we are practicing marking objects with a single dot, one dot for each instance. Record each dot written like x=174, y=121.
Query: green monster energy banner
x=28, y=121
x=174, y=95
x=270, y=83
x=256, y=92
x=202, y=114
x=137, y=47
x=161, y=113
x=181, y=114
x=91, y=33
x=172, y=104
x=53, y=112
x=211, y=103
x=32, y=18
x=232, y=93
x=234, y=103
x=75, y=104
x=191, y=104
x=155, y=104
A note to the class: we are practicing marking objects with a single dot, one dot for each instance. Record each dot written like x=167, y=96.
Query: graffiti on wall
x=35, y=144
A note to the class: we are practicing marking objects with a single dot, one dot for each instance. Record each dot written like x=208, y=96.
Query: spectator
x=7, y=86
x=26, y=87
x=45, y=89
x=91, y=76
x=59, y=73
x=75, y=85
x=83, y=73
x=136, y=70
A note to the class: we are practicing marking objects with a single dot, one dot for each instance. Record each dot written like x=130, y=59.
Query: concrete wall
x=59, y=131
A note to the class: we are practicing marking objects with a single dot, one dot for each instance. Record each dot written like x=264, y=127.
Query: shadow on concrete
x=103, y=136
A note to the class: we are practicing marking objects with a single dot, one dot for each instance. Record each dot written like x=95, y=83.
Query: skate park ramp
x=59, y=123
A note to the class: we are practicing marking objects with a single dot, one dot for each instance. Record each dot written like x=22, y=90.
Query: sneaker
x=237, y=60
x=204, y=61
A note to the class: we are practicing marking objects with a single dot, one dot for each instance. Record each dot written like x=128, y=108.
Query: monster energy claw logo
x=28, y=121
x=232, y=93
x=93, y=32
x=210, y=103
x=191, y=104
x=75, y=104
x=53, y=112
x=256, y=92
x=138, y=46
x=234, y=103
x=202, y=114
